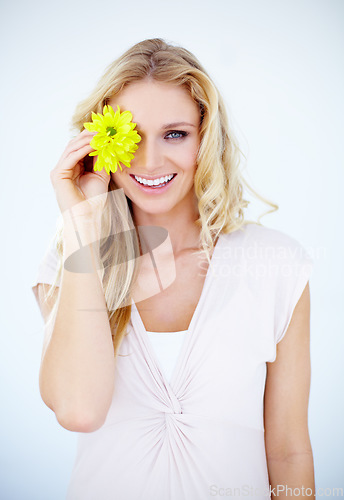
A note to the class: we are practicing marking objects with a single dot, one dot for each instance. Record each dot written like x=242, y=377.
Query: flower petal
x=115, y=148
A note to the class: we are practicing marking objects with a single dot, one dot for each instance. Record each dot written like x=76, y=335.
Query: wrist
x=79, y=232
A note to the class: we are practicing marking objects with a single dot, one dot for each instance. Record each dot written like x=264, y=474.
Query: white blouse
x=167, y=346
x=200, y=433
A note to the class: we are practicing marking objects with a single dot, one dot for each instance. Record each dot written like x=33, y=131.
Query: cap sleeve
x=47, y=268
x=294, y=271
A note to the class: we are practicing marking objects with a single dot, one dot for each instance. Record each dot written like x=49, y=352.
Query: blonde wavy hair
x=218, y=180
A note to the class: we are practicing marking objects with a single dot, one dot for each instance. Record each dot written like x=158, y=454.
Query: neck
x=179, y=222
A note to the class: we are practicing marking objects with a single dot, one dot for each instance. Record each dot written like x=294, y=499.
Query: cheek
x=185, y=157
x=188, y=158
x=118, y=177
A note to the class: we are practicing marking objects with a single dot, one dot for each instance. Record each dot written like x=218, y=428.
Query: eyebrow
x=171, y=125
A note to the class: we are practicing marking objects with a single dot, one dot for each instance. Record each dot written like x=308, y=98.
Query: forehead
x=152, y=102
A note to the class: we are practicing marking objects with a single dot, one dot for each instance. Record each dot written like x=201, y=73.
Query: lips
x=157, y=186
x=161, y=188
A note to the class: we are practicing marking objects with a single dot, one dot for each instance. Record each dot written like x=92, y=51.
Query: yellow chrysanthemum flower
x=116, y=139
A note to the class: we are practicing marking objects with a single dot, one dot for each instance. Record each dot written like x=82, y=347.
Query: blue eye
x=177, y=134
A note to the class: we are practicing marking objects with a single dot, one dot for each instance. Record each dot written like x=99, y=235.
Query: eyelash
x=181, y=132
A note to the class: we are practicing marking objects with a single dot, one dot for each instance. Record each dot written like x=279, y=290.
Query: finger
x=77, y=145
x=73, y=158
x=83, y=133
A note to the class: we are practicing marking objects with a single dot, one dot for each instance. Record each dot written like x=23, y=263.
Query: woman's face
x=168, y=121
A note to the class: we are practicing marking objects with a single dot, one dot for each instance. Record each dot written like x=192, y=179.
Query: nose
x=149, y=155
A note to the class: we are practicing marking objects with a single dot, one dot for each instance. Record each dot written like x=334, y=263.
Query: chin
x=156, y=208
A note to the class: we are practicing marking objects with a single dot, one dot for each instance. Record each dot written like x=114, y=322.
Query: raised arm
x=77, y=368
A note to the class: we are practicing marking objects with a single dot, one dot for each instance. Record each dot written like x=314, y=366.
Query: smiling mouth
x=154, y=183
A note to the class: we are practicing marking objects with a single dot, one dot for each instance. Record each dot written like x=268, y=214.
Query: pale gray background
x=279, y=67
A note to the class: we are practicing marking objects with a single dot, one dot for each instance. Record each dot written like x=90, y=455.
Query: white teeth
x=154, y=182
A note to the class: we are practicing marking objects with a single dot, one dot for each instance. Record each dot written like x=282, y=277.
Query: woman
x=225, y=412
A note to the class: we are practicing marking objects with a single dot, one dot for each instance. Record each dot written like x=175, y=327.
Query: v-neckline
x=144, y=335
